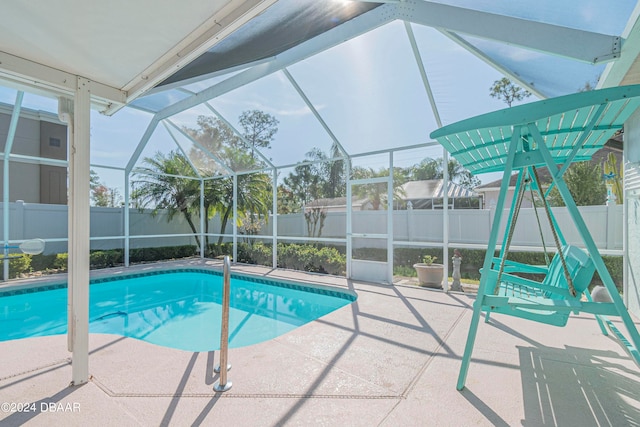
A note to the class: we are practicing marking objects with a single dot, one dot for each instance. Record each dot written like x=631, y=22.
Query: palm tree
x=430, y=168
x=254, y=197
x=161, y=184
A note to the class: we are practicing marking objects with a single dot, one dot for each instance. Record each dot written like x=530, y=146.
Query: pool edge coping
x=58, y=281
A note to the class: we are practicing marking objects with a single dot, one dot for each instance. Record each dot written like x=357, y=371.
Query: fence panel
x=30, y=220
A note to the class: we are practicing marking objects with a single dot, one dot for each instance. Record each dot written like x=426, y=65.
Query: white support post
x=235, y=218
x=203, y=217
x=11, y=133
x=274, y=220
x=390, y=221
x=79, y=232
x=349, y=228
x=445, y=219
x=127, y=203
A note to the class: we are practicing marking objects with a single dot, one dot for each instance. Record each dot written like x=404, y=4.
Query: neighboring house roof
x=336, y=202
x=29, y=113
x=411, y=191
x=433, y=189
x=614, y=146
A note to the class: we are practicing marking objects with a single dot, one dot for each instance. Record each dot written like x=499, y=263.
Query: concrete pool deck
x=389, y=359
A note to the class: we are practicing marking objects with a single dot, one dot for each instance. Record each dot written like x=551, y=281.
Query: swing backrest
x=580, y=267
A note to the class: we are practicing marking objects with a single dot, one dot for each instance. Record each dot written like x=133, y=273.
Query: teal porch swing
x=551, y=133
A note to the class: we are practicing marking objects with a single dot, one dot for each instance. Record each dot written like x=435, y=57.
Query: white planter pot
x=430, y=275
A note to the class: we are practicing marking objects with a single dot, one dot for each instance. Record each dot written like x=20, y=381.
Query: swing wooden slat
x=552, y=287
x=621, y=101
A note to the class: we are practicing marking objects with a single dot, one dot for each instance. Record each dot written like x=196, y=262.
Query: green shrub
x=254, y=253
x=615, y=267
x=42, y=262
x=330, y=261
x=19, y=265
x=61, y=261
x=105, y=259
x=215, y=250
x=161, y=253
x=296, y=257
x=316, y=259
x=405, y=271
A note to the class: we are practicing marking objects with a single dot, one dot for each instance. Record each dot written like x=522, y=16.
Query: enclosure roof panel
x=586, y=120
x=282, y=26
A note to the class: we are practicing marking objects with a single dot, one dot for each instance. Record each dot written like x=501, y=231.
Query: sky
x=369, y=91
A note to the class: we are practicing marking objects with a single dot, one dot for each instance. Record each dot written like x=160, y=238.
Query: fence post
x=18, y=225
x=409, y=220
x=611, y=224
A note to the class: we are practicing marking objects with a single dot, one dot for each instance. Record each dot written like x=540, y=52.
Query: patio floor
x=389, y=359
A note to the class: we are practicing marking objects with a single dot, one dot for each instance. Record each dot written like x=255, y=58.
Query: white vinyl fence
x=466, y=227
x=469, y=226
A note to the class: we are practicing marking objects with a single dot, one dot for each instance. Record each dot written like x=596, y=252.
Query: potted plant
x=429, y=273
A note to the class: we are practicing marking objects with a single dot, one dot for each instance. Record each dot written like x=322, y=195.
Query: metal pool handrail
x=223, y=384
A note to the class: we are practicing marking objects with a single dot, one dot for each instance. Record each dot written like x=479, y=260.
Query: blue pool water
x=178, y=309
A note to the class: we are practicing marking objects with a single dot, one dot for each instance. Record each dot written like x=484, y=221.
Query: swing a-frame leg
x=569, y=273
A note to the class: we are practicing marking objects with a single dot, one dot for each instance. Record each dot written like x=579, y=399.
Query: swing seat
x=549, y=301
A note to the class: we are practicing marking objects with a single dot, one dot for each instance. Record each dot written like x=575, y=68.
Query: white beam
x=567, y=42
x=616, y=71
x=423, y=73
x=499, y=67
x=315, y=112
x=151, y=127
x=49, y=81
x=23, y=158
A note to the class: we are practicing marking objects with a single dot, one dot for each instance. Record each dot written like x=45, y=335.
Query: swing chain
x=516, y=211
x=547, y=210
x=535, y=210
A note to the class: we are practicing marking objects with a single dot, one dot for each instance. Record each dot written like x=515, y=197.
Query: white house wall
x=632, y=203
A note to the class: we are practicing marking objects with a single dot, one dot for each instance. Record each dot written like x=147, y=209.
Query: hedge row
x=472, y=260
x=317, y=259
x=303, y=257
x=97, y=259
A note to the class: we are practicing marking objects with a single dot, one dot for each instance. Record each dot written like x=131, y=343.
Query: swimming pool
x=178, y=308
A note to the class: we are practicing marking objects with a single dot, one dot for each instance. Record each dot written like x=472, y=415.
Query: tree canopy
x=101, y=195
x=507, y=91
x=430, y=168
x=584, y=180
x=323, y=177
